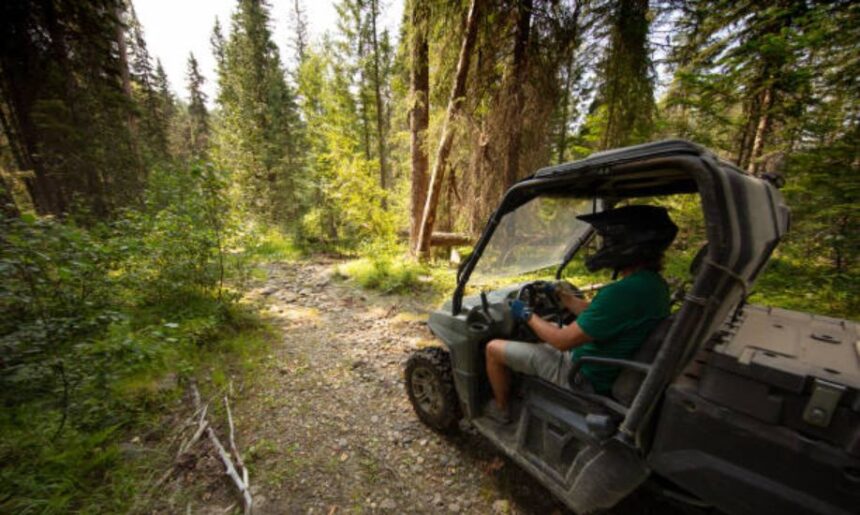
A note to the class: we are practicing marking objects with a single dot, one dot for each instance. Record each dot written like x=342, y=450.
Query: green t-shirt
x=618, y=320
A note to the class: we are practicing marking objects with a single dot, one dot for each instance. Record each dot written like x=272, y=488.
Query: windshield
x=537, y=235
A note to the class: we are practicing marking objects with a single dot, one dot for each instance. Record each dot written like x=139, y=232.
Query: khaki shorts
x=544, y=361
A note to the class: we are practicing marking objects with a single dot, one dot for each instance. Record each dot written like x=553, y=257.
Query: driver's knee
x=496, y=351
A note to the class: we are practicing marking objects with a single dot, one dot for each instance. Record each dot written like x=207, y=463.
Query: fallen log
x=445, y=239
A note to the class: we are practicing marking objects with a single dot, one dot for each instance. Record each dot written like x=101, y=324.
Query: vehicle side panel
x=745, y=466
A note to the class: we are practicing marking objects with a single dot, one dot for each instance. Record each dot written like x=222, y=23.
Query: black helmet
x=631, y=235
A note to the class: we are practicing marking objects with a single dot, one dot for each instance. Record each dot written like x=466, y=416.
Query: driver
x=613, y=325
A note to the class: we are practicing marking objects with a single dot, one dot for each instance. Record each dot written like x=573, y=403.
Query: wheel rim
x=427, y=392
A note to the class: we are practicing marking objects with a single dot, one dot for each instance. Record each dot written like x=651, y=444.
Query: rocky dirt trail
x=326, y=425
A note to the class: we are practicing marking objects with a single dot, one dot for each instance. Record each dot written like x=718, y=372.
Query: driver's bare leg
x=498, y=372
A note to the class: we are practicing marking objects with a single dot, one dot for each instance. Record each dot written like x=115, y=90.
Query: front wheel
x=430, y=386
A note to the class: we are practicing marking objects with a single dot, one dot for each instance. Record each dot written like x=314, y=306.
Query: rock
x=388, y=504
x=342, y=443
x=289, y=297
x=268, y=291
x=374, y=419
x=437, y=499
x=501, y=507
x=454, y=508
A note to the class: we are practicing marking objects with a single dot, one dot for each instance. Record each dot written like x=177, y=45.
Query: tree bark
x=380, y=107
x=455, y=103
x=420, y=116
x=362, y=94
x=571, y=79
x=746, y=136
x=761, y=131
x=518, y=75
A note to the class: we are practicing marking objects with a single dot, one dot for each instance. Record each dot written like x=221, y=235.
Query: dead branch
x=201, y=427
x=233, y=447
x=229, y=468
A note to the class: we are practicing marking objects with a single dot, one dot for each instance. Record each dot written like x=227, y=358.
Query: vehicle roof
x=664, y=167
x=621, y=155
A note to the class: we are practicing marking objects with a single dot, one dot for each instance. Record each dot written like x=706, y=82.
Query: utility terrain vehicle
x=746, y=409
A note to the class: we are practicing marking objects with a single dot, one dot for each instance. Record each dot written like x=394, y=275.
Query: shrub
x=95, y=323
x=386, y=274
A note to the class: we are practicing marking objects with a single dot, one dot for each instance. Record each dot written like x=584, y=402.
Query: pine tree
x=767, y=85
x=300, y=39
x=154, y=123
x=64, y=106
x=626, y=96
x=257, y=136
x=419, y=117
x=197, y=113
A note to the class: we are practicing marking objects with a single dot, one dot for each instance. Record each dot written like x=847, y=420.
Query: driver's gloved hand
x=520, y=311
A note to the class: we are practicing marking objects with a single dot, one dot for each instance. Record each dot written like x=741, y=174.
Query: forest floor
x=326, y=426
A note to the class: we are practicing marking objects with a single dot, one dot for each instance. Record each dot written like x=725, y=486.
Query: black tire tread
x=439, y=360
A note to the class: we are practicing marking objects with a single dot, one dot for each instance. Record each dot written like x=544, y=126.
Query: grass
x=273, y=245
x=398, y=275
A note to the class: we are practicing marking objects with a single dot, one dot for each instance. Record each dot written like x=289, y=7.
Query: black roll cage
x=736, y=253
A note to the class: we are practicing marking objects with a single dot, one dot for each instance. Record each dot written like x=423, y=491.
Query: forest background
x=130, y=220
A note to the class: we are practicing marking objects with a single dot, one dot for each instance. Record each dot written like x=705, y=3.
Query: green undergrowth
x=103, y=325
x=271, y=244
x=399, y=274
x=793, y=283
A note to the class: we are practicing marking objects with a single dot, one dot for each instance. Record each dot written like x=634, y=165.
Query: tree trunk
x=454, y=107
x=517, y=78
x=573, y=74
x=380, y=108
x=420, y=115
x=746, y=136
x=362, y=93
x=565, y=113
x=761, y=131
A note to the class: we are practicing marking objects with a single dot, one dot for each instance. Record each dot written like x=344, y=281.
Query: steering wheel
x=528, y=294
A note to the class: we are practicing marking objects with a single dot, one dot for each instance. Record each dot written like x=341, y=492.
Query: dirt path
x=326, y=424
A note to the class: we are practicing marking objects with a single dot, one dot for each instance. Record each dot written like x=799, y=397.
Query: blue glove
x=520, y=311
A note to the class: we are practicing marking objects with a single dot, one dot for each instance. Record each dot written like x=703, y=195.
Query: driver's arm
x=562, y=338
x=572, y=303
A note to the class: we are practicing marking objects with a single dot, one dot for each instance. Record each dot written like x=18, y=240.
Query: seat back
x=627, y=384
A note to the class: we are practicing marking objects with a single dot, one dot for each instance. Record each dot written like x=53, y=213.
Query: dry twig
x=230, y=469
x=239, y=463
